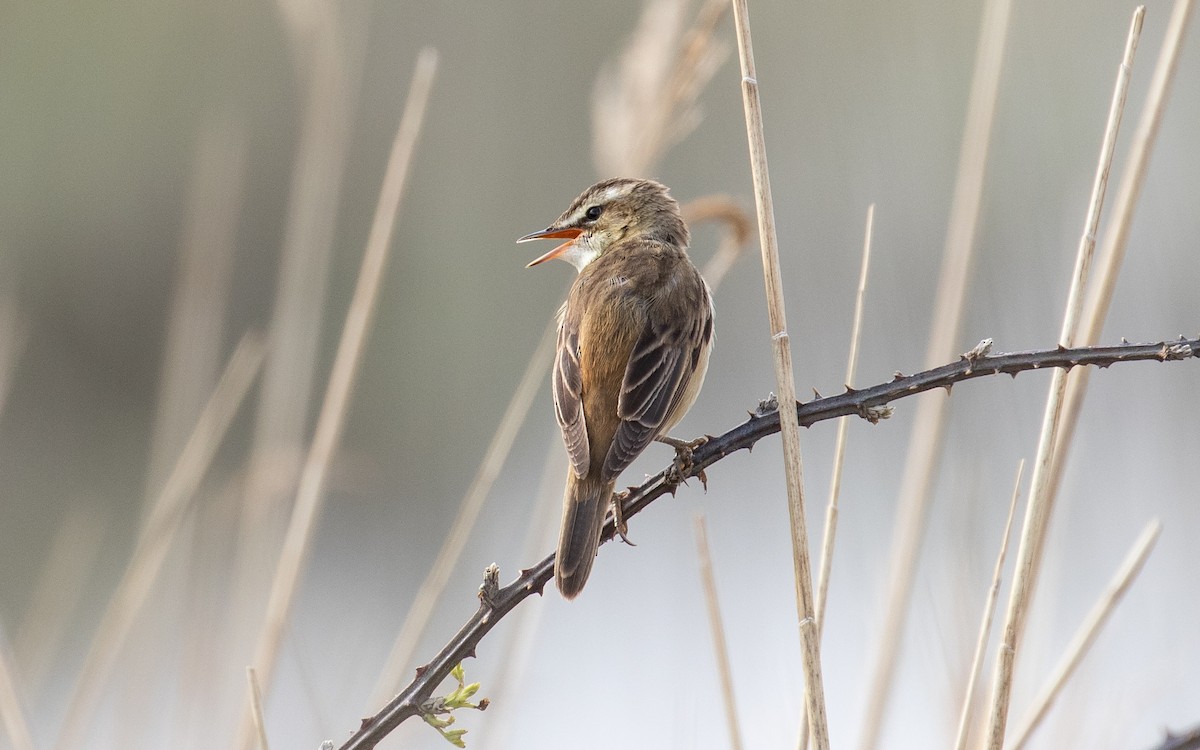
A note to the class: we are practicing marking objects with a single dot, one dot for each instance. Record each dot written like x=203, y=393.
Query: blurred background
x=176, y=174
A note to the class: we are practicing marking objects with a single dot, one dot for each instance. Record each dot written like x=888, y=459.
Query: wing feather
x=661, y=365
x=568, y=397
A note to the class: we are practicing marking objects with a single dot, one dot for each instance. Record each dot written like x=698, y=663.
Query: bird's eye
x=593, y=213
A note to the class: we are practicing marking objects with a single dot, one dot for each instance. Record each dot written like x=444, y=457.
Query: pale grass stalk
x=327, y=42
x=59, y=587
x=985, y=623
x=196, y=322
x=310, y=492
x=1086, y=635
x=839, y=451
x=720, y=648
x=784, y=380
x=156, y=537
x=496, y=731
x=839, y=454
x=325, y=53
x=929, y=422
x=256, y=709
x=203, y=683
x=14, y=335
x=1041, y=496
x=1111, y=253
x=12, y=715
x=430, y=592
x=646, y=100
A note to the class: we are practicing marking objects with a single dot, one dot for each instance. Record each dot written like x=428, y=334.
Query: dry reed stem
x=327, y=43
x=205, y=681
x=309, y=493
x=1086, y=635
x=430, y=592
x=57, y=592
x=989, y=611
x=14, y=335
x=1111, y=254
x=929, y=422
x=196, y=323
x=156, y=537
x=720, y=648
x=839, y=454
x=1041, y=496
x=256, y=708
x=645, y=100
x=324, y=58
x=496, y=730
x=784, y=379
x=12, y=715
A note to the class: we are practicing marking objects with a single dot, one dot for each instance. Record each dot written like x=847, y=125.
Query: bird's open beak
x=552, y=234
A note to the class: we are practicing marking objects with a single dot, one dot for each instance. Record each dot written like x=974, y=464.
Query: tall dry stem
x=199, y=305
x=12, y=701
x=156, y=537
x=784, y=380
x=720, y=649
x=1111, y=253
x=430, y=593
x=839, y=454
x=328, y=430
x=1086, y=635
x=929, y=423
x=985, y=623
x=1041, y=496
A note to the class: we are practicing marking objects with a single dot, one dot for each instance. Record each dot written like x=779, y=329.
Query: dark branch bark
x=1188, y=740
x=869, y=403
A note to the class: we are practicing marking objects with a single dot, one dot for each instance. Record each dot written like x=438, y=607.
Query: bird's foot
x=684, y=459
x=619, y=516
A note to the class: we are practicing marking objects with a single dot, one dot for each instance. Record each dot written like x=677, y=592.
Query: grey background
x=104, y=104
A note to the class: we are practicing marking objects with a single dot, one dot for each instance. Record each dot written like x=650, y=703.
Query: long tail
x=584, y=505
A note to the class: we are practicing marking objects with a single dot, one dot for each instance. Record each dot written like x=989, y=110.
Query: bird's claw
x=622, y=527
x=684, y=459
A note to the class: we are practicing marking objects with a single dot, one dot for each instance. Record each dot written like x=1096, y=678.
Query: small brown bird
x=633, y=342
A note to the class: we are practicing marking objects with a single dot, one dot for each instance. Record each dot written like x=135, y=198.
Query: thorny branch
x=869, y=403
x=1189, y=739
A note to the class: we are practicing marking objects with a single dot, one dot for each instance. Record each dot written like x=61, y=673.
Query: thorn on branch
x=536, y=585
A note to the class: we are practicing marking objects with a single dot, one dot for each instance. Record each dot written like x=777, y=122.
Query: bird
x=634, y=338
